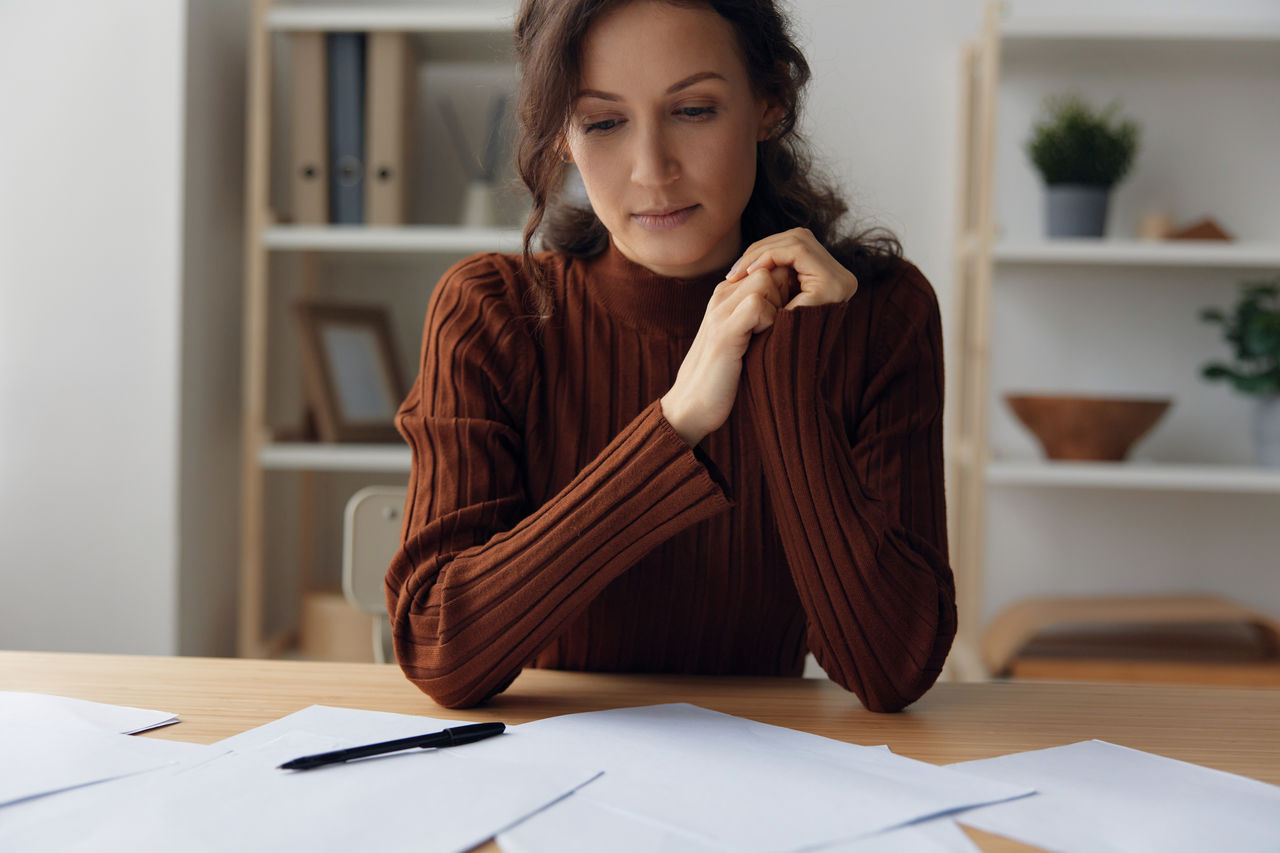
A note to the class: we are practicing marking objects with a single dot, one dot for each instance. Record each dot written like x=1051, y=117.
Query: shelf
x=1185, y=29
x=391, y=238
x=360, y=17
x=1211, y=254
x=312, y=456
x=1135, y=475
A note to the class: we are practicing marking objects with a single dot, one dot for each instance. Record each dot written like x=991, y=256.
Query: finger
x=769, y=282
x=786, y=281
x=723, y=292
x=792, y=255
x=764, y=283
x=816, y=271
x=753, y=252
x=804, y=299
x=753, y=314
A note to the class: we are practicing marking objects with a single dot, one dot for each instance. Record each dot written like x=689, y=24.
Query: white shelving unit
x=467, y=35
x=1245, y=255
x=372, y=17
x=1001, y=259
x=310, y=456
x=1041, y=30
x=1136, y=476
x=441, y=239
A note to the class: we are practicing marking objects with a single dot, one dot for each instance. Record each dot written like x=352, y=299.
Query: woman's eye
x=687, y=112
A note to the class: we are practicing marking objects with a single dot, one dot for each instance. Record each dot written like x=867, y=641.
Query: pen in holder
x=480, y=201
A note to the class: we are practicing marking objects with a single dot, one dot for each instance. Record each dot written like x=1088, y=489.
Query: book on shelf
x=309, y=157
x=346, y=60
x=391, y=74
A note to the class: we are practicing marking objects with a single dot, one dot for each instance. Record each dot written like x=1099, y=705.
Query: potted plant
x=1081, y=153
x=1253, y=329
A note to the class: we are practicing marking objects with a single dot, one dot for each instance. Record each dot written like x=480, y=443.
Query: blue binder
x=346, y=127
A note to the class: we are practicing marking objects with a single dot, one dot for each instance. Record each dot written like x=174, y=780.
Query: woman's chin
x=673, y=254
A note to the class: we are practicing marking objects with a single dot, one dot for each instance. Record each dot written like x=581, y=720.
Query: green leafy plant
x=1253, y=328
x=1074, y=144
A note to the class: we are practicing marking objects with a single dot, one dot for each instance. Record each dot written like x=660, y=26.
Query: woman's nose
x=654, y=163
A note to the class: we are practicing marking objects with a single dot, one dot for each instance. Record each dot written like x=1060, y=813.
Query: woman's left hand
x=822, y=279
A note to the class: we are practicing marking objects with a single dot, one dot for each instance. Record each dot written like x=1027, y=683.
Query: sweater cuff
x=795, y=351
x=642, y=489
x=716, y=485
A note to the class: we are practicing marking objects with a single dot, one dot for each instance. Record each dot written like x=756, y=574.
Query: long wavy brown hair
x=788, y=192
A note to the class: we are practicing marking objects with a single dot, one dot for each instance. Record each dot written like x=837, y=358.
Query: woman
x=702, y=433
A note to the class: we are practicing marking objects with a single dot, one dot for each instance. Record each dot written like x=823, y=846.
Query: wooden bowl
x=1087, y=428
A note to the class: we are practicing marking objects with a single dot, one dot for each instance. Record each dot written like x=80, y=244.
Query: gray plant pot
x=1266, y=431
x=1076, y=210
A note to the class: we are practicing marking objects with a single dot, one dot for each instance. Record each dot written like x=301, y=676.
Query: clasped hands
x=781, y=272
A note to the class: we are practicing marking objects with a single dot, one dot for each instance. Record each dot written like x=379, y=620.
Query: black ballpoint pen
x=448, y=737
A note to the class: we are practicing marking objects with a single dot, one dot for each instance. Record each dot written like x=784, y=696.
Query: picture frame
x=351, y=375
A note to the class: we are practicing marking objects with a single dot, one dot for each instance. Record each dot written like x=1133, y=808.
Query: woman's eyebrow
x=675, y=87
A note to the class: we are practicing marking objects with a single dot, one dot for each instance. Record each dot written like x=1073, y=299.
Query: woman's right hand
x=706, y=385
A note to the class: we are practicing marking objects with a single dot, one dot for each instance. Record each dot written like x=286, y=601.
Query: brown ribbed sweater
x=555, y=518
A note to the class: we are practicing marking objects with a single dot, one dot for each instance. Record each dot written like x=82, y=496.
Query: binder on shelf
x=346, y=127
x=308, y=156
x=391, y=75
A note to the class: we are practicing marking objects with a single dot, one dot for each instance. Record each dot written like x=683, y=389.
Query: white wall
x=101, y=392
x=90, y=219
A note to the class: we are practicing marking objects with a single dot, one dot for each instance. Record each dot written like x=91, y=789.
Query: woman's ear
x=772, y=114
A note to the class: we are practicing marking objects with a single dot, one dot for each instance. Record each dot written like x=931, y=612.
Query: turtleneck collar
x=641, y=297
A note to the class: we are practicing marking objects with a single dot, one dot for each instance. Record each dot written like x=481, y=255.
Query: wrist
x=675, y=415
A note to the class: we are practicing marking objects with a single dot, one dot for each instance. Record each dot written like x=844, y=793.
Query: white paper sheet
x=64, y=712
x=940, y=835
x=1098, y=796
x=743, y=784
x=40, y=760
x=59, y=821
x=437, y=800
x=578, y=824
x=238, y=799
x=349, y=725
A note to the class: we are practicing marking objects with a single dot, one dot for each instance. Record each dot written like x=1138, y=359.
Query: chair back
x=370, y=539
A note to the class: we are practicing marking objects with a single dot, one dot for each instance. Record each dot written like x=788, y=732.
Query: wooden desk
x=1232, y=729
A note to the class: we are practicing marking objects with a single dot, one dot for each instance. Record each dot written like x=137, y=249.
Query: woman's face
x=665, y=121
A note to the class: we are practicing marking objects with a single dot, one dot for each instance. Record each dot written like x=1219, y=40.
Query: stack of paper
x=666, y=777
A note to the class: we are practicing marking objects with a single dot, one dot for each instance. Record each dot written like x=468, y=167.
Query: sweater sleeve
x=857, y=486
x=483, y=580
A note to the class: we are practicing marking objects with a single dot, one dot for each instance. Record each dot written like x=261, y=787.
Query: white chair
x=370, y=539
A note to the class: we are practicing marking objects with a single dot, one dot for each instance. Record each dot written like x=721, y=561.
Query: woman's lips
x=665, y=222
